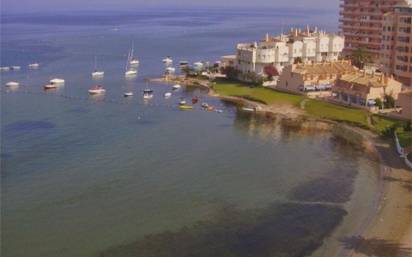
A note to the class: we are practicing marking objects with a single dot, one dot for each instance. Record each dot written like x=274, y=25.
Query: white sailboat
x=133, y=60
x=96, y=73
x=130, y=71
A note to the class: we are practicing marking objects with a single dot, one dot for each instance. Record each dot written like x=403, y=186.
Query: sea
x=107, y=175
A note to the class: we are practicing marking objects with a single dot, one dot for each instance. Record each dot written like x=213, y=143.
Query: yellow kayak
x=185, y=107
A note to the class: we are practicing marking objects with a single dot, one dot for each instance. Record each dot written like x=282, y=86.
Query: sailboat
x=130, y=72
x=133, y=60
x=96, y=73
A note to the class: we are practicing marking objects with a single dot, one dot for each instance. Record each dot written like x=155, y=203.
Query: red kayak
x=195, y=100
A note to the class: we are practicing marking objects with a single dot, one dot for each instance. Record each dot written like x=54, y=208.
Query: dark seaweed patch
x=287, y=230
x=28, y=125
x=336, y=187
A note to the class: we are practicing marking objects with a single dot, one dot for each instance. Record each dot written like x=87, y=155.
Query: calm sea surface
x=86, y=176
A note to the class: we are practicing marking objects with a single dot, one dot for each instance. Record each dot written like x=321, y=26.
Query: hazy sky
x=62, y=5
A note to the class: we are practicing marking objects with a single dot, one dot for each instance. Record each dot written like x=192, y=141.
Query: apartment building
x=361, y=23
x=316, y=79
x=396, y=54
x=363, y=89
x=309, y=45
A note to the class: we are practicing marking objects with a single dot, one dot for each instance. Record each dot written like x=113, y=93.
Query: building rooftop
x=337, y=67
x=366, y=80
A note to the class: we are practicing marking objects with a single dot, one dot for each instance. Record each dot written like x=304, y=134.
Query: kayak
x=185, y=107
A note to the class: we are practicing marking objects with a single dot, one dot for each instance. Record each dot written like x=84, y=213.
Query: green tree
x=360, y=57
x=389, y=101
x=378, y=103
x=230, y=72
x=408, y=126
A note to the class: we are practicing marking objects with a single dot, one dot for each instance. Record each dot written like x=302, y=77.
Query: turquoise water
x=83, y=176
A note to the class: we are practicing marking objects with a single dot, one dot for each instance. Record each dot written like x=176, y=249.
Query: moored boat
x=50, y=86
x=57, y=81
x=128, y=94
x=183, y=63
x=97, y=74
x=12, y=84
x=148, y=94
x=34, y=65
x=195, y=100
x=15, y=67
x=130, y=73
x=168, y=94
x=4, y=68
x=168, y=60
x=96, y=90
x=185, y=107
x=177, y=86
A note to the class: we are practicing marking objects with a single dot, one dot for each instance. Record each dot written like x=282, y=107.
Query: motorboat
x=57, y=81
x=128, y=94
x=97, y=74
x=148, y=94
x=182, y=101
x=50, y=86
x=170, y=70
x=168, y=60
x=12, y=84
x=15, y=67
x=198, y=65
x=34, y=65
x=4, y=68
x=177, y=86
x=183, y=63
x=168, y=94
x=96, y=90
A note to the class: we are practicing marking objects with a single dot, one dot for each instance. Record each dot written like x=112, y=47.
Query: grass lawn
x=315, y=108
x=336, y=112
x=260, y=94
x=405, y=137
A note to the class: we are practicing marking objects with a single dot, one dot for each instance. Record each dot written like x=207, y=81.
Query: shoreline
x=388, y=229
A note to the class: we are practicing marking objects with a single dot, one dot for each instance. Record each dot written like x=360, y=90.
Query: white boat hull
x=57, y=81
x=168, y=94
x=130, y=73
x=12, y=84
x=98, y=74
x=97, y=91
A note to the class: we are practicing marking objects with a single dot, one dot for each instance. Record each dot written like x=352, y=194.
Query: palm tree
x=359, y=58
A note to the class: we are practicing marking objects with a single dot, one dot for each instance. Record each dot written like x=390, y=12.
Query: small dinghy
x=195, y=100
x=176, y=87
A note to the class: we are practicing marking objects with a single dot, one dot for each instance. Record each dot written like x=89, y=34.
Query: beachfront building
x=361, y=23
x=309, y=45
x=363, y=89
x=315, y=79
x=405, y=102
x=396, y=54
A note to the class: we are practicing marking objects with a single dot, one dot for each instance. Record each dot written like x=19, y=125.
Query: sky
x=24, y=6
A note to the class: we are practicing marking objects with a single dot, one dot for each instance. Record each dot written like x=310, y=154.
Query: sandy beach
x=388, y=230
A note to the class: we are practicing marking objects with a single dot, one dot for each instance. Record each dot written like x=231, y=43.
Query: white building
x=305, y=46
